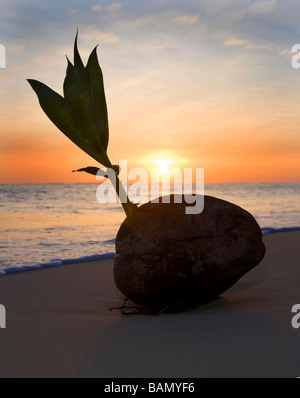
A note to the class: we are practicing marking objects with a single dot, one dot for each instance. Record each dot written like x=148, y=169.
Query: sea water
x=45, y=225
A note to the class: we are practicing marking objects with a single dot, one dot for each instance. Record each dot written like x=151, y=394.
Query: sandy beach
x=59, y=325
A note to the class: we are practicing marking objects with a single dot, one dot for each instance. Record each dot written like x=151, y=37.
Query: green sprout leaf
x=96, y=171
x=96, y=97
x=82, y=113
x=92, y=170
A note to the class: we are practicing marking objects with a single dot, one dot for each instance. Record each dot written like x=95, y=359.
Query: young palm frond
x=82, y=113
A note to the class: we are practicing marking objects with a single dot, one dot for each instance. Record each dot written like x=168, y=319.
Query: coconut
x=166, y=258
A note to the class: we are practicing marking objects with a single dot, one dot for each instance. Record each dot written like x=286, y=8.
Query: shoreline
x=105, y=256
x=55, y=263
x=59, y=325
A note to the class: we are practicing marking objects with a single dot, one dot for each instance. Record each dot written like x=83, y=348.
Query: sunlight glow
x=163, y=169
x=163, y=165
x=163, y=162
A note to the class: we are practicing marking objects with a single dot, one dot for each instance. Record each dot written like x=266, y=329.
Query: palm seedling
x=164, y=257
x=82, y=113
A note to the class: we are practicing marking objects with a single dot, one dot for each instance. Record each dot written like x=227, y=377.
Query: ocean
x=46, y=225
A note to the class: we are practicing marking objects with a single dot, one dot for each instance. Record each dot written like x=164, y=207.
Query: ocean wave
x=268, y=231
x=56, y=263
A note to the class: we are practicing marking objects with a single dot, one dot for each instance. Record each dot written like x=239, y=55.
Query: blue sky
x=180, y=76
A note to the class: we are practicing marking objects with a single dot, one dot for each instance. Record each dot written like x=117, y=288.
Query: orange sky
x=220, y=95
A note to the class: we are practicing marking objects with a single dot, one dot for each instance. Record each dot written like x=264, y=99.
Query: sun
x=163, y=165
x=163, y=169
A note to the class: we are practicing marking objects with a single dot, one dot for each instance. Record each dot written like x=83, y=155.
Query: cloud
x=186, y=19
x=248, y=44
x=287, y=53
x=236, y=42
x=96, y=7
x=262, y=7
x=98, y=35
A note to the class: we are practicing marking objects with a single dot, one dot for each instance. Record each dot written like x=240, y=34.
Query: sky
x=203, y=83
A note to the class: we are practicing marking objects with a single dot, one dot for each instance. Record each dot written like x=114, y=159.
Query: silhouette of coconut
x=167, y=258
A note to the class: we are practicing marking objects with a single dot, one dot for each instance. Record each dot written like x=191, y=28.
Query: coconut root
x=127, y=310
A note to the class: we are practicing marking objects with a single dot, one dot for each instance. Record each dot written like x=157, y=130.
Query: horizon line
x=98, y=183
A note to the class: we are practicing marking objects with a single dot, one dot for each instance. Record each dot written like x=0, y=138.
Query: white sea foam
x=268, y=231
x=55, y=263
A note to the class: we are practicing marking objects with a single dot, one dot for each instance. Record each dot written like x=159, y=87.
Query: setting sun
x=163, y=165
x=163, y=162
x=163, y=169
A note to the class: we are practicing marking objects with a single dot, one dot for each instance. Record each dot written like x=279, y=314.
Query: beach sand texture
x=59, y=325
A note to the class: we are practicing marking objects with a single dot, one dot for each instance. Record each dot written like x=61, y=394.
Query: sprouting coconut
x=165, y=259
